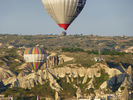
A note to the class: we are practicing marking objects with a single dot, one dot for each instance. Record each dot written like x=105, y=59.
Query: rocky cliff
x=70, y=72
x=29, y=80
x=5, y=73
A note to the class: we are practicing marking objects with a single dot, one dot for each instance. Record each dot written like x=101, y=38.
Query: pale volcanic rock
x=111, y=71
x=32, y=79
x=17, y=60
x=74, y=72
x=104, y=85
x=78, y=93
x=130, y=71
x=129, y=50
x=29, y=80
x=125, y=94
x=57, y=96
x=91, y=72
x=61, y=60
x=82, y=71
x=5, y=73
x=53, y=83
x=1, y=44
x=48, y=98
x=23, y=73
x=52, y=60
x=19, y=52
x=67, y=79
x=10, y=47
x=66, y=58
x=90, y=83
x=22, y=66
x=13, y=81
x=85, y=79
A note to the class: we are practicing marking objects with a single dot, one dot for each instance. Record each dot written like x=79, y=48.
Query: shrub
x=99, y=80
x=72, y=50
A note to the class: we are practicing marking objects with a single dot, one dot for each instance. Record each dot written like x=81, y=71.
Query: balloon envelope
x=34, y=57
x=64, y=11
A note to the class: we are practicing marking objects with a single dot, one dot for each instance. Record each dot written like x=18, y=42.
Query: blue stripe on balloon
x=31, y=51
x=42, y=51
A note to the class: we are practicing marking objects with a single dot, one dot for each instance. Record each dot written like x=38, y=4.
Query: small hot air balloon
x=64, y=11
x=34, y=58
x=63, y=33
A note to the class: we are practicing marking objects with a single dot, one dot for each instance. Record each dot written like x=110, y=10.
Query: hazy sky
x=100, y=17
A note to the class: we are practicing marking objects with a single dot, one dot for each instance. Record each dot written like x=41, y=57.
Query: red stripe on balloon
x=26, y=51
x=37, y=51
x=64, y=26
x=36, y=65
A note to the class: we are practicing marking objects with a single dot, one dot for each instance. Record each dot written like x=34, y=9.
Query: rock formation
x=78, y=93
x=23, y=73
x=90, y=84
x=75, y=72
x=130, y=72
x=57, y=97
x=70, y=71
x=67, y=79
x=125, y=94
x=32, y=79
x=52, y=60
x=5, y=73
x=85, y=79
x=104, y=85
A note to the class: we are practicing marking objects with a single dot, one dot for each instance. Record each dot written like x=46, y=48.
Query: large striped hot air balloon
x=34, y=57
x=64, y=11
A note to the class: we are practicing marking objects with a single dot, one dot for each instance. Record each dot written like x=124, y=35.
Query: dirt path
x=66, y=58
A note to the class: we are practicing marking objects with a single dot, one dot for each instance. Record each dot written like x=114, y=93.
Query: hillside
x=74, y=69
x=55, y=42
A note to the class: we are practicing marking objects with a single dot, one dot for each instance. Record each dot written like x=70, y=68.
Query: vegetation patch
x=31, y=94
x=68, y=90
x=99, y=80
x=72, y=50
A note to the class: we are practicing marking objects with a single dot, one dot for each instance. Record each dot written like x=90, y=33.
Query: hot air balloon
x=63, y=33
x=34, y=58
x=64, y=11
